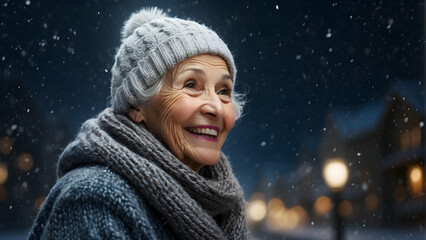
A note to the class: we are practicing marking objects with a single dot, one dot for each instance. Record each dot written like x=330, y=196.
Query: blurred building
x=355, y=136
x=403, y=159
x=382, y=144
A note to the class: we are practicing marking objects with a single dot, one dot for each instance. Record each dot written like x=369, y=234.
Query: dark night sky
x=298, y=60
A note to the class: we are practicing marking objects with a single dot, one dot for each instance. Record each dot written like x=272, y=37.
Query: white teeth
x=213, y=132
x=206, y=131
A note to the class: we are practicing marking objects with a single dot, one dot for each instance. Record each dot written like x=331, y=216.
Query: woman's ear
x=137, y=115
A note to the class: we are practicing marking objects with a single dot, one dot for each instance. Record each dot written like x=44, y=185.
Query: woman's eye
x=224, y=91
x=190, y=84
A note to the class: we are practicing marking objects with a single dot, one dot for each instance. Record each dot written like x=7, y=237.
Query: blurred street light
x=25, y=162
x=345, y=208
x=256, y=208
x=276, y=210
x=322, y=205
x=335, y=173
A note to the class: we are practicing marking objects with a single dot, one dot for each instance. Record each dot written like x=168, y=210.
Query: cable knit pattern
x=208, y=205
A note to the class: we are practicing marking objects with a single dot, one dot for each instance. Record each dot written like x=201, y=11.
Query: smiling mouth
x=207, y=133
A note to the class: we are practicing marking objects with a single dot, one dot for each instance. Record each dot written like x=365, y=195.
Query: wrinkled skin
x=196, y=92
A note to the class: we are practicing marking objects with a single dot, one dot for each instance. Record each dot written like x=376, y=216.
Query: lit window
x=410, y=138
x=415, y=178
x=3, y=173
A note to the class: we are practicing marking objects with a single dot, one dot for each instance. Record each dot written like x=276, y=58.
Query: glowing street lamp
x=256, y=210
x=335, y=173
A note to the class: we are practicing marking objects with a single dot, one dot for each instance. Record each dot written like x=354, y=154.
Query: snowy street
x=325, y=233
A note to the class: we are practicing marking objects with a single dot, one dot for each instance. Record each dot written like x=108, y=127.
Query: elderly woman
x=151, y=167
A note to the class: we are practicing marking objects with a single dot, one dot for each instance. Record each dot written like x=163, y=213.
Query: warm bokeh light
x=302, y=214
x=335, y=173
x=275, y=204
x=25, y=162
x=6, y=145
x=371, y=202
x=3, y=173
x=287, y=218
x=290, y=219
x=280, y=217
x=39, y=202
x=256, y=210
x=415, y=175
x=322, y=205
x=3, y=193
x=276, y=211
x=345, y=208
x=275, y=219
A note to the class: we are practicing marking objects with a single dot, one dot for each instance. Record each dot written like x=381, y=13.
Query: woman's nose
x=213, y=106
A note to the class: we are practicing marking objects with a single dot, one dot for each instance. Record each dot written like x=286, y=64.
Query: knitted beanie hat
x=152, y=44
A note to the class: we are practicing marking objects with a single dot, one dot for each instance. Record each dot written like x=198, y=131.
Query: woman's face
x=193, y=112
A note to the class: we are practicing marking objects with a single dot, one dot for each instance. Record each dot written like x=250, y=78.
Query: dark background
x=297, y=61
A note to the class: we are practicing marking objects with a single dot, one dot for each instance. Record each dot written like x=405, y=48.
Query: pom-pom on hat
x=152, y=44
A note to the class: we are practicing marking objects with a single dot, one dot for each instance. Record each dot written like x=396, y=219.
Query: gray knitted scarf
x=208, y=205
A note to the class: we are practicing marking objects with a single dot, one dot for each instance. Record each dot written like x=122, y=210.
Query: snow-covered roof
x=351, y=123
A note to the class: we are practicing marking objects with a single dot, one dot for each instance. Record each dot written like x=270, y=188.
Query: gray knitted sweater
x=94, y=202
x=117, y=181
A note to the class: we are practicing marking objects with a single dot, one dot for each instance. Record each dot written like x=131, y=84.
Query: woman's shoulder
x=94, y=179
x=99, y=184
x=97, y=201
